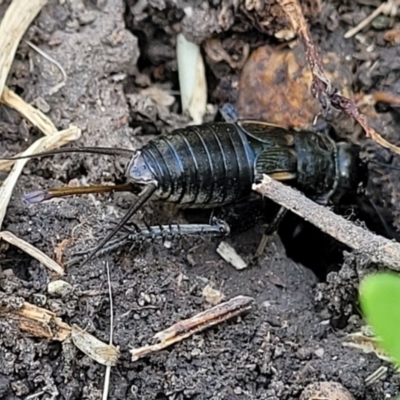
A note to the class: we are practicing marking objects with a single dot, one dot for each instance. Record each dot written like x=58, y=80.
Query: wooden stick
x=188, y=327
x=377, y=248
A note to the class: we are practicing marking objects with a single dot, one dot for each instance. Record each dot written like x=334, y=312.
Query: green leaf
x=380, y=302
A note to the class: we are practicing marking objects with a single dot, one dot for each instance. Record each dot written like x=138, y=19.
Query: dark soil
x=293, y=336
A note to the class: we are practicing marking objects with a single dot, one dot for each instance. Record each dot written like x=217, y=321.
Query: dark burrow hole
x=307, y=245
x=18, y=266
x=18, y=261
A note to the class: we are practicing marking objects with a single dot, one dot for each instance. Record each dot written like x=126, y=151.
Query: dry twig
x=377, y=248
x=392, y=99
x=229, y=254
x=188, y=327
x=321, y=87
x=38, y=322
x=43, y=323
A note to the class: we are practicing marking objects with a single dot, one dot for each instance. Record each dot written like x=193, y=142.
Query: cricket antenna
x=38, y=196
x=109, y=151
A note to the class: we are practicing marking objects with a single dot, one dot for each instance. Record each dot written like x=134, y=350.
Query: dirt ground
x=305, y=305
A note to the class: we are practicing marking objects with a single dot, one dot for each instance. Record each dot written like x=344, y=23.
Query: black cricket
x=214, y=164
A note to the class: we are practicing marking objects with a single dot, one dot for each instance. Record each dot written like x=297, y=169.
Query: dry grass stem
x=35, y=395
x=106, y=388
x=32, y=251
x=45, y=143
x=59, y=85
x=379, y=374
x=104, y=354
x=38, y=322
x=376, y=248
x=15, y=22
x=321, y=87
x=388, y=8
x=188, y=327
x=31, y=114
x=365, y=343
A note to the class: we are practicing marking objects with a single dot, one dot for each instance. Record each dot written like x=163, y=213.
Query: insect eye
x=138, y=170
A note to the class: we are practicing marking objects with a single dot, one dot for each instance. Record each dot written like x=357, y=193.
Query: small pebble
x=326, y=391
x=319, y=352
x=4, y=385
x=8, y=273
x=212, y=296
x=228, y=253
x=381, y=22
x=59, y=288
x=39, y=299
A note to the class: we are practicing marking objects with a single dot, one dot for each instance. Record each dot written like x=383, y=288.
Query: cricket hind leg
x=270, y=228
x=225, y=220
x=244, y=216
x=138, y=234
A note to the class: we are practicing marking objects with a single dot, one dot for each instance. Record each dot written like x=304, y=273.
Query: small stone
x=212, y=296
x=59, y=288
x=167, y=244
x=39, y=299
x=381, y=22
x=319, y=352
x=285, y=35
x=304, y=353
x=8, y=273
x=195, y=352
x=86, y=18
x=41, y=104
x=228, y=253
x=326, y=391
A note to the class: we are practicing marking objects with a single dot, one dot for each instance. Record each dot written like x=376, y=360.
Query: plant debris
x=321, y=86
x=186, y=328
x=377, y=248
